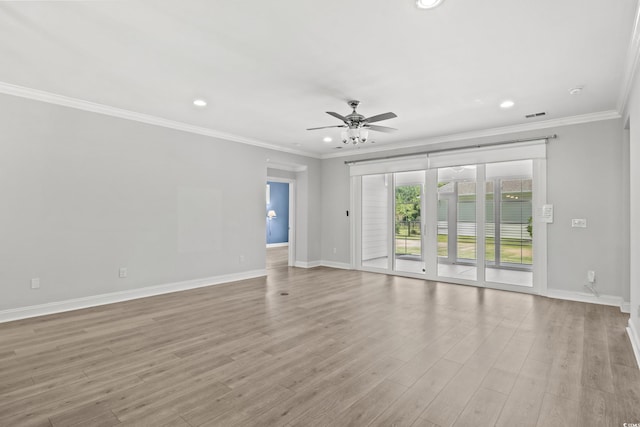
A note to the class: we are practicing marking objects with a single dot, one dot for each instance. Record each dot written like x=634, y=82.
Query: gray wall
x=278, y=173
x=84, y=194
x=634, y=205
x=585, y=177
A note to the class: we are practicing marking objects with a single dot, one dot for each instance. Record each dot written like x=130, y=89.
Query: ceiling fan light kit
x=355, y=136
x=358, y=126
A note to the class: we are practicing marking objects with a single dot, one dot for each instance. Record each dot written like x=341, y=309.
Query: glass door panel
x=510, y=242
x=443, y=228
x=408, y=243
x=457, y=227
x=375, y=236
x=466, y=224
x=469, y=224
x=489, y=227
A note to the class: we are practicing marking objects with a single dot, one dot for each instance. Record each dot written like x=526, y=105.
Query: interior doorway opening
x=279, y=222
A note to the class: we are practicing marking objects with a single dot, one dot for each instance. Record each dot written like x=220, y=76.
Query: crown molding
x=631, y=65
x=79, y=104
x=65, y=101
x=525, y=127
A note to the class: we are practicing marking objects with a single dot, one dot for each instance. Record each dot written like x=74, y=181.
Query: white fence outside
x=507, y=231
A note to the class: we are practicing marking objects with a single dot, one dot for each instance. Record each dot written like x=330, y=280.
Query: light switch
x=579, y=222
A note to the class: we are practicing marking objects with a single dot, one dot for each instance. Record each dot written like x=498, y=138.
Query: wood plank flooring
x=343, y=348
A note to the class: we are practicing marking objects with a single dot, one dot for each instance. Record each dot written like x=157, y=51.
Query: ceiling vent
x=540, y=114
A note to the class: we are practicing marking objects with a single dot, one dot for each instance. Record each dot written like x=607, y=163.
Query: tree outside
x=407, y=216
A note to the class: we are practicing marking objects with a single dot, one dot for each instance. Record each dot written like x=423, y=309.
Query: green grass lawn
x=511, y=250
x=408, y=245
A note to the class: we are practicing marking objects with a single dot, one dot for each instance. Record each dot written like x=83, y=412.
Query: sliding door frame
x=430, y=220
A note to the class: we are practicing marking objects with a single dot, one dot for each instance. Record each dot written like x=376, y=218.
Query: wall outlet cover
x=579, y=223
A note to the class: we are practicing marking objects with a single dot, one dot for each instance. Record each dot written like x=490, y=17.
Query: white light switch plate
x=547, y=214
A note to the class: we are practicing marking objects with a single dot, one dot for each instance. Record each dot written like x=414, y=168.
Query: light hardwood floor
x=343, y=348
x=277, y=257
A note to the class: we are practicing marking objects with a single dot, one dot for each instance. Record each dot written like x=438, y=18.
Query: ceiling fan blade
x=380, y=128
x=337, y=116
x=327, y=127
x=380, y=117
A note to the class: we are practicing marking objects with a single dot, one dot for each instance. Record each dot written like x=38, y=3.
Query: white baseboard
x=307, y=264
x=334, y=264
x=635, y=341
x=110, y=298
x=585, y=297
x=277, y=245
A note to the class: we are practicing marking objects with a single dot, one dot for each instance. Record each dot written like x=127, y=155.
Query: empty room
x=341, y=213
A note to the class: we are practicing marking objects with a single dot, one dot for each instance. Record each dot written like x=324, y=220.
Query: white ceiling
x=269, y=70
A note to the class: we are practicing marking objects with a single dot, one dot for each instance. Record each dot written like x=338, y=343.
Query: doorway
x=279, y=222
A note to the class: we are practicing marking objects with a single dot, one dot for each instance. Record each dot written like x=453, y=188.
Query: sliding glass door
x=457, y=227
x=391, y=227
x=468, y=223
x=408, y=227
x=505, y=229
x=509, y=223
x=375, y=213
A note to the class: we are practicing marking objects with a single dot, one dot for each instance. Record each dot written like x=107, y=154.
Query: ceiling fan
x=357, y=125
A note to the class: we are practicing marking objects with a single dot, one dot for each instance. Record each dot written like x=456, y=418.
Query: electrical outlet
x=241, y=259
x=35, y=283
x=591, y=276
x=335, y=250
x=122, y=272
x=579, y=223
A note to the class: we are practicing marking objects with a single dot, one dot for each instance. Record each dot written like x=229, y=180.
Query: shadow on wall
x=277, y=212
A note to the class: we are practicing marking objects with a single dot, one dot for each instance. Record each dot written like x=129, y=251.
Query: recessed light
x=200, y=103
x=576, y=90
x=507, y=104
x=427, y=4
x=327, y=139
